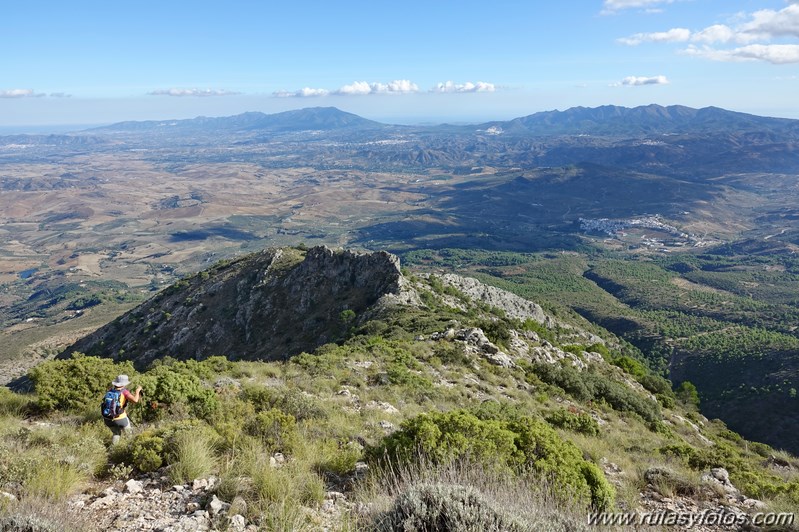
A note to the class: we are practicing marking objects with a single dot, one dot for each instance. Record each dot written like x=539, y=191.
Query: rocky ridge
x=265, y=306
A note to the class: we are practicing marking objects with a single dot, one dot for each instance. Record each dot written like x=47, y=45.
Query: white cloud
x=358, y=87
x=715, y=33
x=399, y=86
x=636, y=81
x=777, y=54
x=59, y=95
x=768, y=23
x=305, y=92
x=718, y=33
x=672, y=35
x=20, y=93
x=191, y=92
x=612, y=6
x=449, y=86
x=753, y=31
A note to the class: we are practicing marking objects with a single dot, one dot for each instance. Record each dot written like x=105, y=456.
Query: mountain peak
x=613, y=120
x=309, y=118
x=266, y=306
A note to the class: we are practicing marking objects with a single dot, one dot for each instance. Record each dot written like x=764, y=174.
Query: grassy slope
x=725, y=323
x=321, y=409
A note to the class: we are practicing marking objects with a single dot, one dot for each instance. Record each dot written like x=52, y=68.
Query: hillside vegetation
x=723, y=320
x=451, y=402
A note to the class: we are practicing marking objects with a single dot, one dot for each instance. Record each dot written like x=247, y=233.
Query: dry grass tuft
x=523, y=502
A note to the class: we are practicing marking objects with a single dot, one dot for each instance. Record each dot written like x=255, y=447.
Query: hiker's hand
x=138, y=389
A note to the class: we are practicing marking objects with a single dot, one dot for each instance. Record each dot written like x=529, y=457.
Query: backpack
x=113, y=404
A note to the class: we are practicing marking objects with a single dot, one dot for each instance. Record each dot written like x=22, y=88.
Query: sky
x=90, y=62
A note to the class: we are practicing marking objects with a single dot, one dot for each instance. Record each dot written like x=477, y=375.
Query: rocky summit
x=265, y=306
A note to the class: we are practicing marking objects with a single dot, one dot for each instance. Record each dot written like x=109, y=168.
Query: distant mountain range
x=607, y=120
x=313, y=118
x=646, y=120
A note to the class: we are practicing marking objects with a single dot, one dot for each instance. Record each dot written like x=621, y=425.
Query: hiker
x=114, y=405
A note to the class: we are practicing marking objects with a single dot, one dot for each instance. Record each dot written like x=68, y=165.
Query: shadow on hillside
x=538, y=212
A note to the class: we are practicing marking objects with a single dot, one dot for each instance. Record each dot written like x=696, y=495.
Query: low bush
x=497, y=331
x=657, y=385
x=569, y=379
x=290, y=401
x=75, y=383
x=575, y=421
x=145, y=452
x=444, y=507
x=525, y=499
x=586, y=386
x=666, y=401
x=682, y=451
x=630, y=366
x=451, y=353
x=167, y=390
x=513, y=446
x=276, y=430
x=336, y=457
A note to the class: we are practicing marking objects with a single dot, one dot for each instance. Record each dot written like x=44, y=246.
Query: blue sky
x=92, y=62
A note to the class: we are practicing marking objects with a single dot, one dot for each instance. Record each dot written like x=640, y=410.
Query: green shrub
x=575, y=349
x=603, y=494
x=666, y=401
x=762, y=449
x=497, y=331
x=630, y=365
x=730, y=435
x=562, y=461
x=227, y=420
x=659, y=427
x=540, y=329
x=145, y=452
x=290, y=401
x=428, y=507
x=575, y=421
x=276, y=429
x=567, y=378
x=447, y=436
x=520, y=444
x=587, y=385
x=656, y=385
x=451, y=353
x=624, y=399
x=679, y=450
x=687, y=394
x=601, y=349
x=168, y=390
x=75, y=383
x=336, y=457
